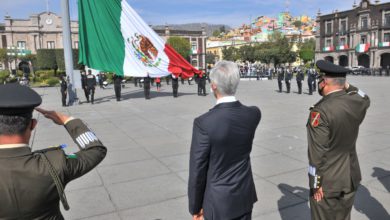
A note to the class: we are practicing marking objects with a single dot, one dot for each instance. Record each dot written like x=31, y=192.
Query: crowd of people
x=89, y=83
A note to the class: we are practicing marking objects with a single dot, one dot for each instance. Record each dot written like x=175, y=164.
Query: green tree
x=247, y=53
x=222, y=29
x=181, y=45
x=3, y=55
x=216, y=33
x=230, y=53
x=266, y=52
x=307, y=51
x=210, y=58
x=298, y=24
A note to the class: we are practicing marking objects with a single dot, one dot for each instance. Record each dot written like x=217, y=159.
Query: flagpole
x=68, y=55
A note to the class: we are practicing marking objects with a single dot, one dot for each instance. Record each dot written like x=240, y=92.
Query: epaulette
x=51, y=148
x=359, y=92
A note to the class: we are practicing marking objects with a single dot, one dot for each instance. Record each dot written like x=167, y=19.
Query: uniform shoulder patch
x=361, y=93
x=315, y=119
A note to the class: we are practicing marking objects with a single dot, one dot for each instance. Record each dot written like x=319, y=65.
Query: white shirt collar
x=226, y=99
x=7, y=146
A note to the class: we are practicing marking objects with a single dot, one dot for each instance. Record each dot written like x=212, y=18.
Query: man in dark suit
x=32, y=182
x=220, y=182
x=333, y=127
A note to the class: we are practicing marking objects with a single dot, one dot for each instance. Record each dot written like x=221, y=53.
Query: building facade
x=40, y=31
x=197, y=39
x=44, y=31
x=357, y=37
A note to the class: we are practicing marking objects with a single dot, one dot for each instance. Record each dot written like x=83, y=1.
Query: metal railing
x=371, y=72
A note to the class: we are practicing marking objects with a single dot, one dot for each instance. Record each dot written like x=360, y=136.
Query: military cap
x=16, y=99
x=331, y=70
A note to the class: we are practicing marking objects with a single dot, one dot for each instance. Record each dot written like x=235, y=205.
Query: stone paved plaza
x=144, y=175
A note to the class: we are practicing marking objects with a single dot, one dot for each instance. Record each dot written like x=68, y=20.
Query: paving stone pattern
x=144, y=175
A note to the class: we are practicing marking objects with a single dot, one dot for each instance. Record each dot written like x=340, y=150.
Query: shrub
x=52, y=81
x=3, y=76
x=42, y=75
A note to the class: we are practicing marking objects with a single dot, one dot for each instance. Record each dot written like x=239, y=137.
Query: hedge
x=54, y=59
x=46, y=59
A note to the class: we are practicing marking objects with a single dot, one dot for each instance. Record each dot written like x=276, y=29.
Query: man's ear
x=213, y=86
x=34, y=123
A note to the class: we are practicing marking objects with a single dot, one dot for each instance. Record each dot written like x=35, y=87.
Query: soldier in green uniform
x=32, y=182
x=333, y=127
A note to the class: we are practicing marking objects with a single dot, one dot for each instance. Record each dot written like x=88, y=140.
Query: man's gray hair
x=226, y=76
x=338, y=81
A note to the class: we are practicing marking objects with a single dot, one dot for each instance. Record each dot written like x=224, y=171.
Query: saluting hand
x=318, y=195
x=56, y=117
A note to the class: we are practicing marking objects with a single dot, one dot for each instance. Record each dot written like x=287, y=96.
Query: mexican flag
x=384, y=44
x=343, y=47
x=113, y=37
x=362, y=48
x=330, y=48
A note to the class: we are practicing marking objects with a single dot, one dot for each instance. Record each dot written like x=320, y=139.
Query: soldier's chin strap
x=57, y=181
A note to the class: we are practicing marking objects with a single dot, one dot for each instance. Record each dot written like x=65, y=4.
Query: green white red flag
x=362, y=48
x=113, y=37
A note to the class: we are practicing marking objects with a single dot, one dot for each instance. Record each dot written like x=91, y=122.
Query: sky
x=159, y=12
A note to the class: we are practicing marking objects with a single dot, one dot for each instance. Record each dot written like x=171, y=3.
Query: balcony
x=385, y=25
x=343, y=32
x=364, y=28
x=328, y=34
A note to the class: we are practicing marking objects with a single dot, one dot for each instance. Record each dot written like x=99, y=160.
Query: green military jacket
x=27, y=190
x=332, y=131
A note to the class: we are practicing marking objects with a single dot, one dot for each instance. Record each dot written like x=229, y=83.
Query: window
x=343, y=26
x=364, y=23
x=328, y=28
x=194, y=63
x=387, y=19
x=342, y=41
x=76, y=45
x=328, y=43
x=21, y=45
x=386, y=37
x=51, y=45
x=194, y=47
x=363, y=39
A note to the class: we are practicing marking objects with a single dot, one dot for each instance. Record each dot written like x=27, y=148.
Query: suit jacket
x=333, y=128
x=221, y=180
x=27, y=190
